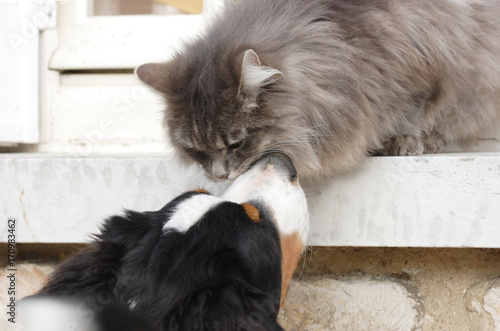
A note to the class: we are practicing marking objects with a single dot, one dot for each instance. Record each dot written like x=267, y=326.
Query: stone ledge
x=352, y=303
x=329, y=302
x=445, y=200
x=483, y=305
x=458, y=287
x=313, y=303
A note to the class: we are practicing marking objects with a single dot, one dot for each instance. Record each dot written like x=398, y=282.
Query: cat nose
x=223, y=176
x=220, y=168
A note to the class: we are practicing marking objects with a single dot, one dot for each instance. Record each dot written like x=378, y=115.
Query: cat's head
x=217, y=113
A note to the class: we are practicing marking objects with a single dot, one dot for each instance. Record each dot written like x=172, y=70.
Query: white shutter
x=92, y=58
x=20, y=22
x=94, y=44
x=120, y=42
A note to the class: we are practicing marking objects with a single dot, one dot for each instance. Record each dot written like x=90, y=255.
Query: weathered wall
x=387, y=202
x=395, y=289
x=360, y=288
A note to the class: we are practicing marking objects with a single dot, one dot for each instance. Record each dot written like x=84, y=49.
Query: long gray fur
x=355, y=77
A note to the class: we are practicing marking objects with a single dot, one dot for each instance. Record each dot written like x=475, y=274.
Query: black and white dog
x=201, y=262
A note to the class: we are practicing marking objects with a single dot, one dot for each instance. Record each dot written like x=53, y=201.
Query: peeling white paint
x=444, y=200
x=427, y=201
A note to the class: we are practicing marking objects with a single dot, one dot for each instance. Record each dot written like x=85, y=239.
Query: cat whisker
x=170, y=188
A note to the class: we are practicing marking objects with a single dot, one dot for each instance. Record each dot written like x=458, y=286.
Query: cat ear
x=255, y=76
x=151, y=74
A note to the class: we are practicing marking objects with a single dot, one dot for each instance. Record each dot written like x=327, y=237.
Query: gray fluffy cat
x=328, y=82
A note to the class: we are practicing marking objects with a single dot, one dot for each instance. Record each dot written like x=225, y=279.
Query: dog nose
x=283, y=163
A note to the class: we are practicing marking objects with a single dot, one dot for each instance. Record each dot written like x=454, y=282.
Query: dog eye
x=235, y=146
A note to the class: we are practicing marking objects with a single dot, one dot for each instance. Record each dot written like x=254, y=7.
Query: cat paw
x=433, y=143
x=405, y=145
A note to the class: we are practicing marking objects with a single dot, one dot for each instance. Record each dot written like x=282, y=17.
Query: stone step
x=445, y=200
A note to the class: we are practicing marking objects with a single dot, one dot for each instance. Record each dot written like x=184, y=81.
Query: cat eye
x=195, y=154
x=235, y=146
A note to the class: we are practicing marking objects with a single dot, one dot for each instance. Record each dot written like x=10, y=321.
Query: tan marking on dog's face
x=270, y=185
x=252, y=212
x=292, y=247
x=201, y=190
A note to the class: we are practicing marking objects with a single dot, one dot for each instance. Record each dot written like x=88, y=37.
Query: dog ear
x=252, y=212
x=86, y=273
x=93, y=269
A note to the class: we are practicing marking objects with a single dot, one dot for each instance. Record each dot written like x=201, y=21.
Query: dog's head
x=248, y=242
x=272, y=187
x=268, y=191
x=222, y=259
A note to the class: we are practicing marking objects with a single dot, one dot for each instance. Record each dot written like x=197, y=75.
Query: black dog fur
x=224, y=273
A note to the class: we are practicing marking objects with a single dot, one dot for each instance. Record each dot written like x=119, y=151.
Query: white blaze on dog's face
x=270, y=186
x=189, y=212
x=272, y=182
